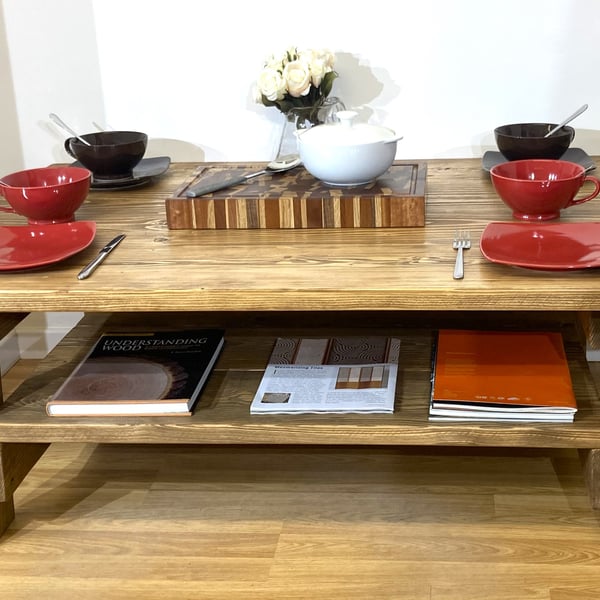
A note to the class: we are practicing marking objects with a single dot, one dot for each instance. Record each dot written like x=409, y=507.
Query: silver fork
x=462, y=241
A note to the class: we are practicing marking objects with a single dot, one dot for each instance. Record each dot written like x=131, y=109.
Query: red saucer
x=545, y=246
x=29, y=246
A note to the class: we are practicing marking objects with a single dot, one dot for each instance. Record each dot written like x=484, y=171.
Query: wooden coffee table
x=262, y=283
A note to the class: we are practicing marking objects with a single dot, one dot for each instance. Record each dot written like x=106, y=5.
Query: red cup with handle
x=538, y=189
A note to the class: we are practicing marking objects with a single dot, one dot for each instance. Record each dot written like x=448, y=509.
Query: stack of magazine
x=501, y=376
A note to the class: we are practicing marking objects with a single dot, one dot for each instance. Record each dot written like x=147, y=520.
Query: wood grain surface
x=123, y=522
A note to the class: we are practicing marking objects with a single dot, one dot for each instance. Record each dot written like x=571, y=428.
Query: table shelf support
x=16, y=460
x=590, y=459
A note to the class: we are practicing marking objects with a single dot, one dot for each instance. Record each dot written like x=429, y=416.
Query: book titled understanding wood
x=339, y=375
x=501, y=375
x=158, y=373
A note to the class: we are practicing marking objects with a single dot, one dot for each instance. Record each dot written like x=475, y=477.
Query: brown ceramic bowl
x=519, y=141
x=111, y=155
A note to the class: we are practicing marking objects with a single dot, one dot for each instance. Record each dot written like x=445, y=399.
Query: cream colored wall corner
x=9, y=351
x=39, y=333
x=11, y=150
x=36, y=336
x=27, y=138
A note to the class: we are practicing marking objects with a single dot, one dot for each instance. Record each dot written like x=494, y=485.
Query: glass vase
x=303, y=117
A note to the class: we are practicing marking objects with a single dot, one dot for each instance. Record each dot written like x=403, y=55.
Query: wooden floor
x=150, y=522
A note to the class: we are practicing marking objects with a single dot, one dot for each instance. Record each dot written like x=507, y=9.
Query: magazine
x=501, y=375
x=352, y=374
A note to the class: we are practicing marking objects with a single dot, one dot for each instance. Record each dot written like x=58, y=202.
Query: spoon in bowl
x=567, y=120
x=64, y=126
x=285, y=163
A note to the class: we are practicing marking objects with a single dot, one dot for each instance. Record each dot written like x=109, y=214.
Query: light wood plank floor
x=150, y=522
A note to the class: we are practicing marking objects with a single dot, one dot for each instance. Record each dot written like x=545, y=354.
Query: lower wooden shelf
x=222, y=415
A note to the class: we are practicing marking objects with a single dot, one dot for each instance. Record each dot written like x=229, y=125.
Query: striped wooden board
x=296, y=200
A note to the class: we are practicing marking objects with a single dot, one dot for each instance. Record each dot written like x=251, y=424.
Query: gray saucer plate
x=492, y=158
x=144, y=171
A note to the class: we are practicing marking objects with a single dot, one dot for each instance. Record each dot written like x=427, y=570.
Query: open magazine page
x=367, y=387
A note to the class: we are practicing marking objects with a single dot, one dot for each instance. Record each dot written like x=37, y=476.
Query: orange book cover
x=501, y=370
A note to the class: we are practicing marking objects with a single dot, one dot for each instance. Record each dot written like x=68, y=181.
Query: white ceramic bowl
x=347, y=153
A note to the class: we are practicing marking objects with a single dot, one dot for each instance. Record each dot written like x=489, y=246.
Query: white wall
x=54, y=63
x=442, y=72
x=11, y=151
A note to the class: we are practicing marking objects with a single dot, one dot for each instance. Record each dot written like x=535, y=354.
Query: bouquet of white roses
x=297, y=79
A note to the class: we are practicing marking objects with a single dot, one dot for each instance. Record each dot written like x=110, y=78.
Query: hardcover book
x=157, y=373
x=501, y=375
x=338, y=375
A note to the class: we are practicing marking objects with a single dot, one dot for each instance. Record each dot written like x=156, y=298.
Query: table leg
x=16, y=460
x=590, y=459
x=590, y=326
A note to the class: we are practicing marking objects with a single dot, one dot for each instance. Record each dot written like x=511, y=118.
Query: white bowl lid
x=346, y=132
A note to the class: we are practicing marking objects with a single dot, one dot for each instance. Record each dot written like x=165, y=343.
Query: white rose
x=278, y=61
x=320, y=62
x=290, y=55
x=324, y=56
x=328, y=58
x=274, y=62
x=297, y=77
x=318, y=68
x=307, y=56
x=271, y=84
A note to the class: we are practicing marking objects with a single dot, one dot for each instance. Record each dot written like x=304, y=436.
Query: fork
x=462, y=241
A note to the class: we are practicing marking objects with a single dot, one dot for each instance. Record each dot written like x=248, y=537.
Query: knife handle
x=89, y=269
x=206, y=188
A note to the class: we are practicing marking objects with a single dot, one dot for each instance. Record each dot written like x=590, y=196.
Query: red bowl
x=47, y=194
x=537, y=189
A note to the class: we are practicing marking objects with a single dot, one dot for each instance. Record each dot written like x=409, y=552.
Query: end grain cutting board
x=296, y=200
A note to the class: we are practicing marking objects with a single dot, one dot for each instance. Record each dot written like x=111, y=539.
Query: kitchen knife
x=285, y=163
x=104, y=252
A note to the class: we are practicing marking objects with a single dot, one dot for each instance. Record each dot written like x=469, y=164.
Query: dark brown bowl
x=519, y=141
x=111, y=155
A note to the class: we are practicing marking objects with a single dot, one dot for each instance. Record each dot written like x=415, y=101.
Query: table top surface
x=157, y=269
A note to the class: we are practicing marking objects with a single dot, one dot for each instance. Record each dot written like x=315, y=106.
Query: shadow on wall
x=177, y=150
x=359, y=85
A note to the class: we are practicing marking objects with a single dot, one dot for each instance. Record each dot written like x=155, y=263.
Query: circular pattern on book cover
x=124, y=378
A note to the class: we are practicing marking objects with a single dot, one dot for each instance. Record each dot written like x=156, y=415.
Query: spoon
x=285, y=163
x=64, y=126
x=567, y=120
